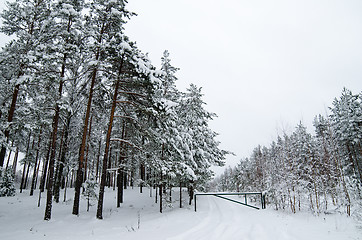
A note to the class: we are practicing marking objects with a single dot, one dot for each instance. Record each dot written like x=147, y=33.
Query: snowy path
x=226, y=220
x=215, y=219
x=220, y=223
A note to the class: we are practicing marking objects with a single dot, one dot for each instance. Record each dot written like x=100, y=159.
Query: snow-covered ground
x=139, y=218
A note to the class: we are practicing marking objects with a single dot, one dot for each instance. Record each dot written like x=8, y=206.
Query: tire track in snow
x=199, y=227
x=226, y=220
x=220, y=223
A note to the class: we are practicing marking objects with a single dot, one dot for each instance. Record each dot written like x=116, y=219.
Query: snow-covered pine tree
x=346, y=122
x=7, y=186
x=346, y=128
x=66, y=23
x=104, y=19
x=90, y=186
x=330, y=171
x=200, y=141
x=120, y=51
x=306, y=171
x=25, y=20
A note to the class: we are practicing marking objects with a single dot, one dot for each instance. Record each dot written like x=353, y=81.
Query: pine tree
x=104, y=21
x=90, y=187
x=25, y=19
x=69, y=13
x=203, y=148
x=7, y=186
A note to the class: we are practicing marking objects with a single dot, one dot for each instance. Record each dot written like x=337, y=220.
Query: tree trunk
x=79, y=179
x=48, y=208
x=15, y=161
x=10, y=119
x=120, y=171
x=58, y=163
x=22, y=178
x=80, y=171
x=87, y=149
x=108, y=140
x=27, y=176
x=37, y=173
x=7, y=162
x=64, y=147
x=170, y=193
x=125, y=179
x=191, y=193
x=27, y=172
x=45, y=167
x=98, y=157
x=119, y=187
x=22, y=184
x=142, y=171
x=180, y=194
x=109, y=166
x=160, y=191
x=156, y=194
x=36, y=168
x=65, y=188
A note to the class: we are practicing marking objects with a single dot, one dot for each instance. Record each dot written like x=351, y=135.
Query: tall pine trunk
x=36, y=167
x=98, y=157
x=45, y=167
x=15, y=161
x=80, y=172
x=25, y=163
x=85, y=177
x=8, y=161
x=48, y=208
x=108, y=140
x=120, y=170
x=62, y=160
x=10, y=120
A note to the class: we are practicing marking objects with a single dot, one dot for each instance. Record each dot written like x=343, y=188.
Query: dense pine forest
x=82, y=107
x=87, y=110
x=320, y=172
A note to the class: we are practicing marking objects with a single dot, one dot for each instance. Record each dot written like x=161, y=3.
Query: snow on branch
x=128, y=102
x=127, y=142
x=133, y=93
x=127, y=117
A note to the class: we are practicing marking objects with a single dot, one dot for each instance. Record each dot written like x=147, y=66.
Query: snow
x=115, y=12
x=68, y=9
x=139, y=218
x=93, y=63
x=126, y=46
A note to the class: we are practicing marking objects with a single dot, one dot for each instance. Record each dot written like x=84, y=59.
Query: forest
x=318, y=172
x=82, y=107
x=87, y=110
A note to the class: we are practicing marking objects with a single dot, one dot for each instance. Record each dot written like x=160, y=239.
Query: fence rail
x=245, y=194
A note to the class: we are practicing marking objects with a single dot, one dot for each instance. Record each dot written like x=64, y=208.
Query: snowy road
x=227, y=220
x=221, y=222
x=139, y=218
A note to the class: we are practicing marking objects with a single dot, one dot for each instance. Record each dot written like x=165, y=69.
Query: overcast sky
x=263, y=65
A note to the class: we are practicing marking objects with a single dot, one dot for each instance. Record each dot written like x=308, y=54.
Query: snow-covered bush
x=90, y=187
x=7, y=186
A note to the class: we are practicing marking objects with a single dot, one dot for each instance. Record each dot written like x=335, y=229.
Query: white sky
x=263, y=65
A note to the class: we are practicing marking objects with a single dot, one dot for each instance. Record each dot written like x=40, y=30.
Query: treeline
x=298, y=171
x=83, y=103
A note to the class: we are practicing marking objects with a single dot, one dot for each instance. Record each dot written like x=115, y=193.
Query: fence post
x=195, y=201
